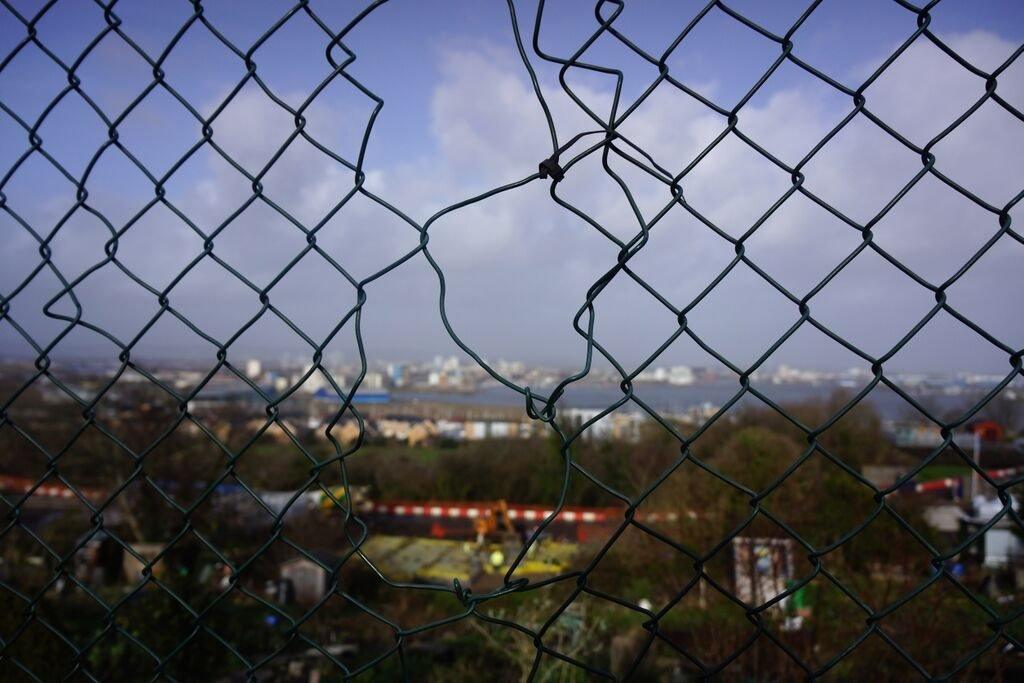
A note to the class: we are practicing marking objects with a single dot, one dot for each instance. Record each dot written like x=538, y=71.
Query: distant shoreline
x=678, y=399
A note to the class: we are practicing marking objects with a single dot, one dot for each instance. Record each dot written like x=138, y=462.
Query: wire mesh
x=605, y=141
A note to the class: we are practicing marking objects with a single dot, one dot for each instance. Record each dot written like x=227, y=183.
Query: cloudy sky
x=459, y=118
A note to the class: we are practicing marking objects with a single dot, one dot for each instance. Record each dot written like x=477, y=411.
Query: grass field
x=942, y=472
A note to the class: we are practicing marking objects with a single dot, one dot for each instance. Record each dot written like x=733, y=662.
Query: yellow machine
x=438, y=561
x=337, y=497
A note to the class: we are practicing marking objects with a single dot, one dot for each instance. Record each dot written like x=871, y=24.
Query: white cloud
x=518, y=265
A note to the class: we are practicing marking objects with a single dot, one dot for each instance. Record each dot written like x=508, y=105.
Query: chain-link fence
x=62, y=622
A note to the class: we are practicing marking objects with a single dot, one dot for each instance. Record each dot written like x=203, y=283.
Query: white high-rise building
x=314, y=382
x=253, y=368
x=680, y=375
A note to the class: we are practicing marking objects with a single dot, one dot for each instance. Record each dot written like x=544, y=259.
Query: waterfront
x=673, y=399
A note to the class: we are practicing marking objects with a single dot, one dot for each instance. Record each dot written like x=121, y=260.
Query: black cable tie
x=550, y=167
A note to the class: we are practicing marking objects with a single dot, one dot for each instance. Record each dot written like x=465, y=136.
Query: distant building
x=680, y=375
x=621, y=426
x=1001, y=545
x=451, y=429
x=987, y=430
x=421, y=433
x=253, y=368
x=274, y=432
x=413, y=430
x=452, y=378
x=653, y=375
x=308, y=579
x=787, y=375
x=944, y=518
x=477, y=430
x=913, y=434
x=398, y=373
x=315, y=382
x=347, y=432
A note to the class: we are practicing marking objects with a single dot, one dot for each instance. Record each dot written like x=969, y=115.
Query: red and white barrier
x=529, y=513
x=954, y=482
x=57, y=490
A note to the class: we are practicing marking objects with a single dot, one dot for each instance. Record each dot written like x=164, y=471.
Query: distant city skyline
x=654, y=373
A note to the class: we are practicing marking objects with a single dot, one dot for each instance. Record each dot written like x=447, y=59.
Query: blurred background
x=284, y=298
